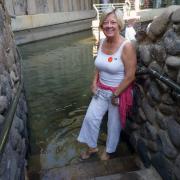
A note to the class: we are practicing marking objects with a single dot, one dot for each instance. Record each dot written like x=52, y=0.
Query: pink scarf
x=125, y=101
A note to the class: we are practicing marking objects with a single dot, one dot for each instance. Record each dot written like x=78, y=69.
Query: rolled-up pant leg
x=114, y=128
x=91, y=125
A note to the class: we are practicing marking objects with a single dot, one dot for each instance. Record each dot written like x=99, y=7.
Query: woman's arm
x=94, y=82
x=129, y=60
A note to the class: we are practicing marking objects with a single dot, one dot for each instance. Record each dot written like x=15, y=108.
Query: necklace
x=110, y=48
x=110, y=59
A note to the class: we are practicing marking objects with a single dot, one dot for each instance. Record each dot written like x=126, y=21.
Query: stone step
x=90, y=170
x=143, y=174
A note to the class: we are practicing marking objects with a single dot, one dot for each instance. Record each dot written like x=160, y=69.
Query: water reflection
x=57, y=74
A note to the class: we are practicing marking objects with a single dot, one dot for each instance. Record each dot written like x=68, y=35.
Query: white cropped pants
x=89, y=132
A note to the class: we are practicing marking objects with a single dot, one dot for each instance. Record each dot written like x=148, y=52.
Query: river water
x=57, y=75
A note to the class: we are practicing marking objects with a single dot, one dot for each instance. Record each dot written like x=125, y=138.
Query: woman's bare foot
x=105, y=156
x=87, y=154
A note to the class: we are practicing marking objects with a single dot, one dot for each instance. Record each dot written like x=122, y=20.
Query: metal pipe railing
x=99, y=7
x=4, y=134
x=141, y=70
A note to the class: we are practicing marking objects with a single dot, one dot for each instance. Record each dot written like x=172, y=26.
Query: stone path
x=121, y=168
x=143, y=174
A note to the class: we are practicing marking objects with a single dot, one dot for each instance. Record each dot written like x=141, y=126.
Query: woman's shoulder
x=127, y=43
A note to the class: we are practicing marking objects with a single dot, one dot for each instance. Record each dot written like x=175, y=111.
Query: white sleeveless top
x=111, y=67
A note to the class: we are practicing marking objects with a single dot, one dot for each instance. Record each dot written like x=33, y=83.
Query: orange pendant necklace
x=110, y=59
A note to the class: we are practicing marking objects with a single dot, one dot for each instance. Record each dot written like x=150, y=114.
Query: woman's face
x=110, y=26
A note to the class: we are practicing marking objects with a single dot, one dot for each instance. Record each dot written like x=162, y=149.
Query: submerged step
x=143, y=174
x=88, y=170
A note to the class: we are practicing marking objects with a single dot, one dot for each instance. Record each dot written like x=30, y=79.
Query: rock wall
x=12, y=160
x=155, y=123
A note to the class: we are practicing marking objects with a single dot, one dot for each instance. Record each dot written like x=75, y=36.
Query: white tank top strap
x=122, y=46
x=101, y=42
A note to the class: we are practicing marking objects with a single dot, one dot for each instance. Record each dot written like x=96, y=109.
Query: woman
x=114, y=74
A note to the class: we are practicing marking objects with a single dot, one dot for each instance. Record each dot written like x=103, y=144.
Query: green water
x=57, y=75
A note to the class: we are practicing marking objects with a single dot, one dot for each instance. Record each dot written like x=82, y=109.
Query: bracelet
x=114, y=95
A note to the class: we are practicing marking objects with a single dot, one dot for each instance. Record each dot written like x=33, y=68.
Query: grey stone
x=173, y=62
x=13, y=168
x=1, y=119
x=143, y=153
x=134, y=137
x=161, y=120
x=163, y=166
x=152, y=146
x=171, y=73
x=6, y=87
x=167, y=99
x=177, y=167
x=23, y=151
x=154, y=65
x=178, y=77
x=167, y=147
x=146, y=85
x=145, y=54
x=164, y=88
x=131, y=176
x=172, y=43
x=151, y=35
x=142, y=115
x=3, y=104
x=151, y=101
x=166, y=109
x=158, y=53
x=176, y=28
x=174, y=132
x=14, y=77
x=3, y=164
x=15, y=138
x=9, y=7
x=148, y=111
x=159, y=24
x=18, y=124
x=151, y=131
x=175, y=18
x=154, y=91
x=134, y=126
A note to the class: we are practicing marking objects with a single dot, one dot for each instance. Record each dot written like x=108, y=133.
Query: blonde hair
x=118, y=13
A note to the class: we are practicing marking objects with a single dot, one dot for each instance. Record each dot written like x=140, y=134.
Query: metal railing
x=141, y=70
x=99, y=7
x=4, y=134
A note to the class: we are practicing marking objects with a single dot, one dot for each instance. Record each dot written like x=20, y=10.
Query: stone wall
x=155, y=123
x=12, y=161
x=34, y=20
x=29, y=7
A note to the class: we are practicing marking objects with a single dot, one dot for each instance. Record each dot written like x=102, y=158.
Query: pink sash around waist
x=125, y=101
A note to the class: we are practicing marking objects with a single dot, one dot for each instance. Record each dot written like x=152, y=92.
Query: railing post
x=136, y=4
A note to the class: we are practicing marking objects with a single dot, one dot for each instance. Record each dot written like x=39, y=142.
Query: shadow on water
x=57, y=76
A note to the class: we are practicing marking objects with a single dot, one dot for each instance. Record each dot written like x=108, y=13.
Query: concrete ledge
x=40, y=33
x=149, y=14
x=39, y=20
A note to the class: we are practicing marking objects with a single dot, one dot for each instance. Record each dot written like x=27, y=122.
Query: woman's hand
x=115, y=100
x=94, y=82
x=94, y=88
